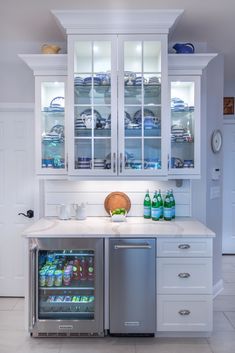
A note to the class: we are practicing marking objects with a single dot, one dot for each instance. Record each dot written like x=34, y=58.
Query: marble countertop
x=104, y=227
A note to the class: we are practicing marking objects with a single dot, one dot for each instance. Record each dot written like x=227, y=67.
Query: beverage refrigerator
x=66, y=287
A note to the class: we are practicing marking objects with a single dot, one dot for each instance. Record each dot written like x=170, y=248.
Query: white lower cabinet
x=184, y=285
x=188, y=276
x=184, y=313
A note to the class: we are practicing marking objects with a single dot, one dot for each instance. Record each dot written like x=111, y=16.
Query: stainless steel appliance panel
x=132, y=286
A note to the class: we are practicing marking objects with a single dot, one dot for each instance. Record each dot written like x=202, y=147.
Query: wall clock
x=216, y=141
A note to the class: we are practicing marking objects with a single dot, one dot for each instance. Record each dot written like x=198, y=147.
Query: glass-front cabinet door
x=118, y=101
x=92, y=79
x=185, y=125
x=50, y=125
x=142, y=114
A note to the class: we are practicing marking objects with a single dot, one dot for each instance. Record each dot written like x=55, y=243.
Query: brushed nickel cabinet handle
x=114, y=162
x=184, y=246
x=184, y=312
x=184, y=275
x=120, y=162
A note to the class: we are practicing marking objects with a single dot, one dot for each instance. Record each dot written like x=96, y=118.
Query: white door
x=16, y=195
x=229, y=189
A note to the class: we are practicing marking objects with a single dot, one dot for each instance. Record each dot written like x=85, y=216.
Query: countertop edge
x=183, y=227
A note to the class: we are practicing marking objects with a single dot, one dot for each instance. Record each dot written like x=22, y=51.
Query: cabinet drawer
x=184, y=247
x=184, y=313
x=184, y=276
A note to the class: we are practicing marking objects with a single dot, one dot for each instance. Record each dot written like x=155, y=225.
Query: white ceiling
x=202, y=21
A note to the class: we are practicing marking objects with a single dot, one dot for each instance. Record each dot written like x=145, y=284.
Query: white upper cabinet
x=50, y=113
x=117, y=92
x=185, y=72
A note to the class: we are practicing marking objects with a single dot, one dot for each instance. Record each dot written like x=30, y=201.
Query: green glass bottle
x=147, y=205
x=159, y=195
x=172, y=204
x=156, y=208
x=167, y=207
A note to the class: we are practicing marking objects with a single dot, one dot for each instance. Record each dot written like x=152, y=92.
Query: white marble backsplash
x=94, y=193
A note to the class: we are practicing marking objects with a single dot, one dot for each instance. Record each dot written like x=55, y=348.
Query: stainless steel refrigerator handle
x=140, y=246
x=32, y=283
x=114, y=162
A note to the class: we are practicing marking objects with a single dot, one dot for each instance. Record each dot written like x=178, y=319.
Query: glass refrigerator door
x=66, y=284
x=52, y=126
x=142, y=107
x=93, y=120
x=183, y=112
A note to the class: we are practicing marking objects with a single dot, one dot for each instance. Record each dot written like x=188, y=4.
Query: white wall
x=17, y=80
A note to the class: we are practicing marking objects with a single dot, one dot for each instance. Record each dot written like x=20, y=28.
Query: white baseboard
x=217, y=288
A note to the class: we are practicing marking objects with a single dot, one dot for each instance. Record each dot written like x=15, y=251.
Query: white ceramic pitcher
x=80, y=211
x=64, y=211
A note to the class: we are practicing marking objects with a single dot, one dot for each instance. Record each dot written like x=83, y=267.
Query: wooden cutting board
x=115, y=200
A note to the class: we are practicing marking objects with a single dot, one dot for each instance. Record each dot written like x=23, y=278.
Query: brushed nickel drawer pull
x=184, y=246
x=184, y=275
x=184, y=312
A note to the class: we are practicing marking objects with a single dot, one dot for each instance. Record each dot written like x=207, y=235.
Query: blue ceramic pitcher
x=184, y=48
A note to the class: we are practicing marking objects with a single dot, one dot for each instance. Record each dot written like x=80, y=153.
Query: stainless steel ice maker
x=132, y=286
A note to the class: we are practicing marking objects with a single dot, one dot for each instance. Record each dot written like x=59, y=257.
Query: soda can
x=50, y=278
x=50, y=259
x=67, y=298
x=67, y=278
x=42, y=278
x=58, y=278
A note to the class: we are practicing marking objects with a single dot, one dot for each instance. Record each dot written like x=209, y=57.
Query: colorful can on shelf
x=67, y=298
x=67, y=278
x=42, y=278
x=50, y=278
x=50, y=259
x=58, y=278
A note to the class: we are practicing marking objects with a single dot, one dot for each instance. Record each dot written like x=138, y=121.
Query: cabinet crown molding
x=116, y=21
x=188, y=64
x=46, y=64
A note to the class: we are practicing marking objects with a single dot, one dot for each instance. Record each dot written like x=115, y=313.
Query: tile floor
x=14, y=339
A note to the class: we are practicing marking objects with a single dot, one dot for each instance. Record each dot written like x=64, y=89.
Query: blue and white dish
x=138, y=115
x=188, y=163
x=154, y=80
x=178, y=105
x=104, y=78
x=58, y=129
x=88, y=81
x=78, y=81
